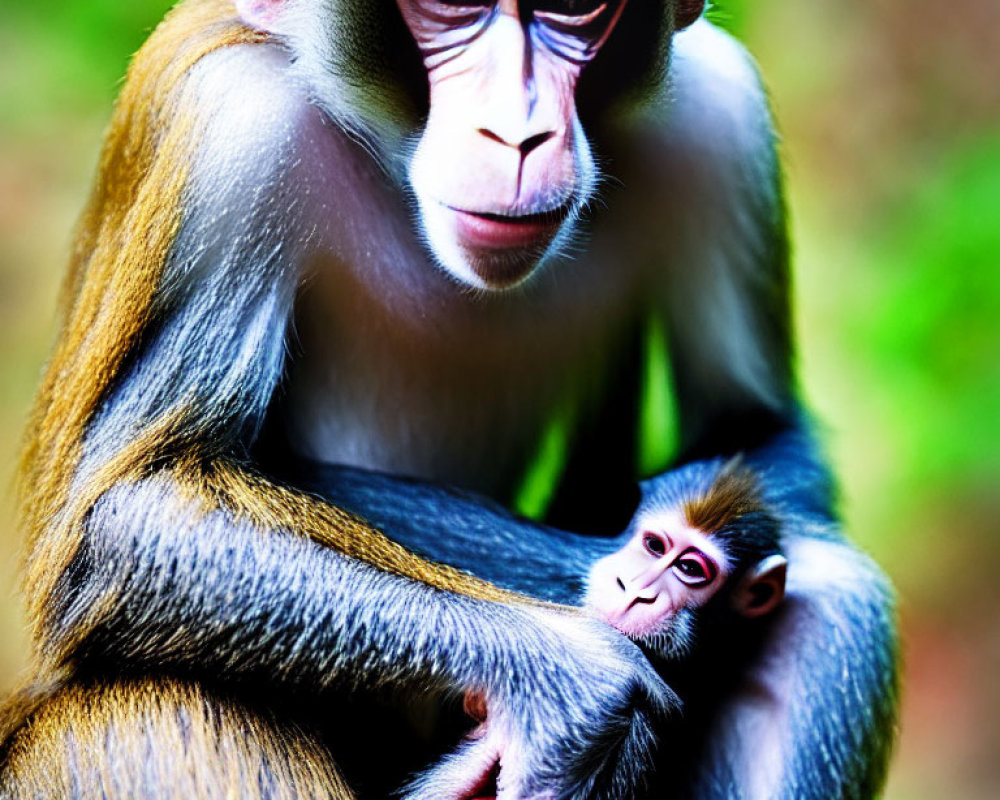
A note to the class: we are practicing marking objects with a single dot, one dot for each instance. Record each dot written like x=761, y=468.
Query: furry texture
x=837, y=604
x=164, y=739
x=133, y=292
x=733, y=494
x=228, y=191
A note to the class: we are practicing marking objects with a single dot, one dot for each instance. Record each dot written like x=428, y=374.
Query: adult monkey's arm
x=153, y=541
x=706, y=199
x=814, y=714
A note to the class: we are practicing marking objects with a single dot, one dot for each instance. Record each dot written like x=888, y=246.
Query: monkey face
x=502, y=167
x=666, y=568
x=652, y=588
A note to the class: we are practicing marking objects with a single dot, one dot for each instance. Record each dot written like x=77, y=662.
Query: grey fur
x=160, y=584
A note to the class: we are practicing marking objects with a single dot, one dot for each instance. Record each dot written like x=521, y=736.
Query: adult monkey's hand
x=578, y=724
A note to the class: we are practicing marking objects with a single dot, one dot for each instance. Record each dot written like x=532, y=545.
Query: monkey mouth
x=487, y=231
x=502, y=250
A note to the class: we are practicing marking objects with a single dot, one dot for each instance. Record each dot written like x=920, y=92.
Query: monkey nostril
x=620, y=584
x=525, y=147
x=493, y=136
x=534, y=142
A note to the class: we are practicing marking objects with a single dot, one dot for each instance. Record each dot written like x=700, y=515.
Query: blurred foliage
x=890, y=111
x=931, y=322
x=69, y=55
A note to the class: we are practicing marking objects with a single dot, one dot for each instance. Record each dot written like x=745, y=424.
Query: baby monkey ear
x=762, y=589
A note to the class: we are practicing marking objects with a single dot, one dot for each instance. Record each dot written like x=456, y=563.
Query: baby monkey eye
x=695, y=569
x=654, y=545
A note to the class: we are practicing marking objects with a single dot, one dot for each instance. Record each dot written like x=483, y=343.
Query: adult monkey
x=157, y=543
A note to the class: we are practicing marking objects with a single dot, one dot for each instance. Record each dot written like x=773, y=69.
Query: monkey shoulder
x=253, y=110
x=698, y=163
x=264, y=148
x=717, y=100
x=708, y=126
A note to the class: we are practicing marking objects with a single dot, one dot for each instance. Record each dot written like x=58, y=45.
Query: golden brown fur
x=110, y=604
x=121, y=247
x=122, y=244
x=733, y=494
x=118, y=257
x=163, y=739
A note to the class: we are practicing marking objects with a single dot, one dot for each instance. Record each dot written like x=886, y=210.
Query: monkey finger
x=467, y=773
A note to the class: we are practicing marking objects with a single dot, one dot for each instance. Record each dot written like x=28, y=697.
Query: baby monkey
x=708, y=546
x=709, y=543
x=705, y=556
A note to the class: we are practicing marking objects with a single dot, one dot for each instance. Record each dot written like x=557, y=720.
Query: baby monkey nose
x=636, y=592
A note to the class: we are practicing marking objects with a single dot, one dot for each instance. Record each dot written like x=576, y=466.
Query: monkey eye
x=569, y=13
x=654, y=545
x=695, y=568
x=569, y=8
x=457, y=12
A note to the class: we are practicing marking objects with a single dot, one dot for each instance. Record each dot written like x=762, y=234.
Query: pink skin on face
x=262, y=14
x=501, y=164
x=666, y=566
x=491, y=231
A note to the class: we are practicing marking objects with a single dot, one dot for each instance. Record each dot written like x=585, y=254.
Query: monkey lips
x=501, y=232
x=503, y=249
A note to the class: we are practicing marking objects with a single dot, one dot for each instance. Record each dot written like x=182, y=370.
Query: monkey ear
x=762, y=589
x=264, y=15
x=686, y=12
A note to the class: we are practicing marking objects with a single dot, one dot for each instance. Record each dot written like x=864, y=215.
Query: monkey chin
x=486, y=251
x=504, y=269
x=669, y=640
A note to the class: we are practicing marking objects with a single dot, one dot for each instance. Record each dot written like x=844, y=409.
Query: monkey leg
x=156, y=738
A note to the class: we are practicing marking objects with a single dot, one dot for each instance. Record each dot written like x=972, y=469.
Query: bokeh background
x=890, y=115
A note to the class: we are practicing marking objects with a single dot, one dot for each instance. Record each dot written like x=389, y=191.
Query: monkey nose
x=524, y=144
x=636, y=592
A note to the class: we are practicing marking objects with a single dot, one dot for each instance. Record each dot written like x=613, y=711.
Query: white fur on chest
x=403, y=370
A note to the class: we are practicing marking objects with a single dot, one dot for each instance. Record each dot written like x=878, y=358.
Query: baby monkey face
x=666, y=566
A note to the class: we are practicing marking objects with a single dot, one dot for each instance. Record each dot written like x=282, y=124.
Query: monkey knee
x=163, y=739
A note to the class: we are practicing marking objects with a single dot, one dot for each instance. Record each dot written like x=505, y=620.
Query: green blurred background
x=890, y=113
